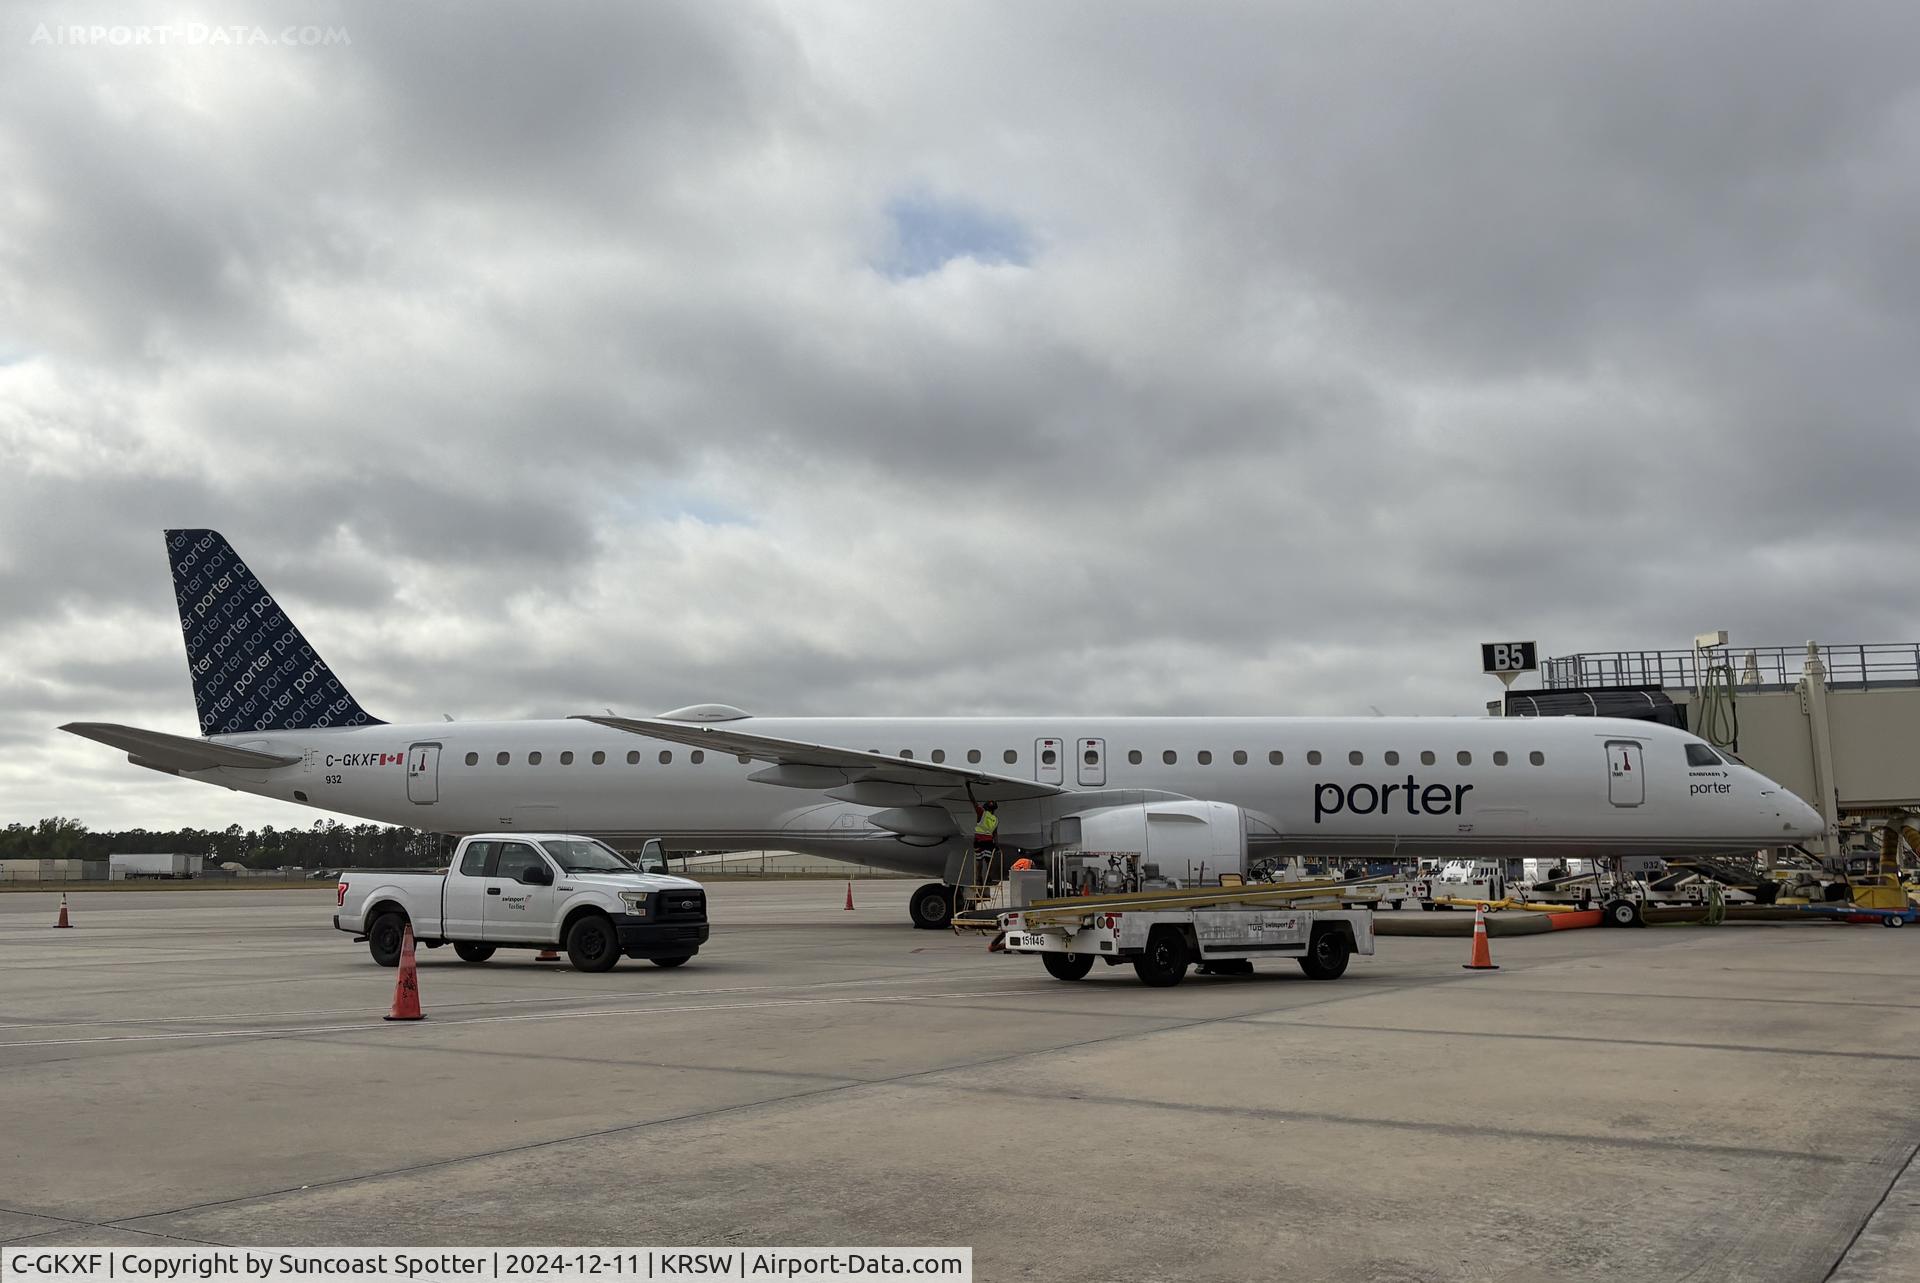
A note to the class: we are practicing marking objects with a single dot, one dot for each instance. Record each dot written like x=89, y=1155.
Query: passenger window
x=938, y=755
x=503, y=758
x=566, y=758
x=1205, y=758
x=1239, y=757
x=1048, y=757
x=473, y=863
x=1356, y=758
x=698, y=756
x=1276, y=758
x=599, y=758
x=1313, y=757
x=666, y=757
x=1169, y=757
x=973, y=755
x=1537, y=758
x=516, y=858
x=633, y=757
x=1463, y=757
x=1133, y=756
x=1499, y=757
x=1391, y=757
x=533, y=758
x=1010, y=757
x=1426, y=757
x=744, y=760
x=906, y=752
x=473, y=759
x=1701, y=755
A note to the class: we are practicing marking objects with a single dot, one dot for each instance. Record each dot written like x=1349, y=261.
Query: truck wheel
x=592, y=943
x=932, y=906
x=1425, y=907
x=1623, y=913
x=1067, y=966
x=674, y=961
x=472, y=952
x=1165, y=960
x=1326, y=956
x=383, y=937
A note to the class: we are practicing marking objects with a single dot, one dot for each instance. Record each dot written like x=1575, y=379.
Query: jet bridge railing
x=1861, y=666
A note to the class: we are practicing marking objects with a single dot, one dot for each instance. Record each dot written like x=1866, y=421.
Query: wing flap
x=850, y=765
x=163, y=752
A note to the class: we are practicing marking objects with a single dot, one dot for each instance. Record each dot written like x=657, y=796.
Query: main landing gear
x=932, y=906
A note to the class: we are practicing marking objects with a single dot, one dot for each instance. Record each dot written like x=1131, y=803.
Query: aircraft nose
x=1801, y=822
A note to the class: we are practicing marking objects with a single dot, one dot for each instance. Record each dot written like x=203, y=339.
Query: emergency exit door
x=1092, y=756
x=423, y=773
x=1626, y=782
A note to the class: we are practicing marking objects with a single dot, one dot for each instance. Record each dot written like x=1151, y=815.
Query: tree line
x=329, y=844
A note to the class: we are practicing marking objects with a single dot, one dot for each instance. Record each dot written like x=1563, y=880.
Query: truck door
x=1047, y=766
x=1626, y=782
x=514, y=910
x=1092, y=756
x=423, y=773
x=465, y=898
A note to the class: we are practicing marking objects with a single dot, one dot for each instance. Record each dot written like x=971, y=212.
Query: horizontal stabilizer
x=165, y=752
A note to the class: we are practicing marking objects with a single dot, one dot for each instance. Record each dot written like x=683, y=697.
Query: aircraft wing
x=827, y=767
x=176, y=752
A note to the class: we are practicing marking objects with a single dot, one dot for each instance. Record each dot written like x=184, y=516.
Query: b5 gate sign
x=1507, y=657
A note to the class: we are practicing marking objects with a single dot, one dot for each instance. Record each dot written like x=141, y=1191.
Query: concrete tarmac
x=1700, y=1104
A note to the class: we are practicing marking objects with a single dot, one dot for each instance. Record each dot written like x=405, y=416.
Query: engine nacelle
x=1189, y=841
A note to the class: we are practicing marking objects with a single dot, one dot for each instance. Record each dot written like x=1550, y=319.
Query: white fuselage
x=1406, y=787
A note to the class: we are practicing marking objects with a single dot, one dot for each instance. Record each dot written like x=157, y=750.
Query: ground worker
x=986, y=827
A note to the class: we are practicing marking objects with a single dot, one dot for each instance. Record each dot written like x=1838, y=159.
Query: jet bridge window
x=473, y=759
x=1701, y=755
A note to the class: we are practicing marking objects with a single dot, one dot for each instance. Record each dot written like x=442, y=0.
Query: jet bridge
x=1835, y=724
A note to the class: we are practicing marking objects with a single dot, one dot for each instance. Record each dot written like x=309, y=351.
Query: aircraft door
x=423, y=773
x=1047, y=766
x=1626, y=782
x=1092, y=756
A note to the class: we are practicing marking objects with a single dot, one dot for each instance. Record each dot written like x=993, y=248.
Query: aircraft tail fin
x=252, y=670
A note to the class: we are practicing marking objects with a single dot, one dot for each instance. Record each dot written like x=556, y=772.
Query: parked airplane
x=899, y=793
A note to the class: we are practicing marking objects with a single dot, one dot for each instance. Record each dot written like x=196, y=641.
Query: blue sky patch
x=929, y=232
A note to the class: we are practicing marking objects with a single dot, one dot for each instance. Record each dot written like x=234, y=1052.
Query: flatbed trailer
x=1163, y=940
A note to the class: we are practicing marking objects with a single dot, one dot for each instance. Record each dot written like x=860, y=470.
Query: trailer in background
x=121, y=868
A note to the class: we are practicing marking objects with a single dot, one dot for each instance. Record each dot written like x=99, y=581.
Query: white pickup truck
x=530, y=891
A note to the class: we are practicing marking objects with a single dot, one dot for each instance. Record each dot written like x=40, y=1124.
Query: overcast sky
x=942, y=358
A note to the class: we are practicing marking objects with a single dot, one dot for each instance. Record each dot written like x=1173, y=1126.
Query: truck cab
x=531, y=891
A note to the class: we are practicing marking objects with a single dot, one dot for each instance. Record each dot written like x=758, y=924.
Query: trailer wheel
x=1426, y=907
x=1327, y=954
x=1067, y=966
x=383, y=937
x=592, y=943
x=1399, y=905
x=1624, y=913
x=1893, y=920
x=469, y=951
x=674, y=961
x=932, y=906
x=1163, y=963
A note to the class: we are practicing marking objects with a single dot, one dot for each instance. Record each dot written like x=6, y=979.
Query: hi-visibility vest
x=984, y=826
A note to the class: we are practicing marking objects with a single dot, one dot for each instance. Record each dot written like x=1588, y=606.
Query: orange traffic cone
x=63, y=923
x=849, y=893
x=546, y=955
x=1482, y=956
x=406, y=986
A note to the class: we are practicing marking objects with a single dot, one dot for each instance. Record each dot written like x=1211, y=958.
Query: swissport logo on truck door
x=1382, y=799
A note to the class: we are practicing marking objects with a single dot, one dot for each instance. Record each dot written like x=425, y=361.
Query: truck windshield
x=583, y=855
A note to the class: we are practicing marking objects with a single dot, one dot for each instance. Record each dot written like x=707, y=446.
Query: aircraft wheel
x=1067, y=966
x=932, y=906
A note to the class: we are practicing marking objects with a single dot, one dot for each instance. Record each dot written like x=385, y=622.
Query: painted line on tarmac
x=116, y=1021
x=290, y=1031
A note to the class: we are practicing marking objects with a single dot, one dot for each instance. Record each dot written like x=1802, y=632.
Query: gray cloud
x=1117, y=358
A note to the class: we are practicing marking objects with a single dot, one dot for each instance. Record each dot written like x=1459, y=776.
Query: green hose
x=1716, y=905
x=1719, y=720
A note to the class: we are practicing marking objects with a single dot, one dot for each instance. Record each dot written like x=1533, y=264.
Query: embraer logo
x=1378, y=799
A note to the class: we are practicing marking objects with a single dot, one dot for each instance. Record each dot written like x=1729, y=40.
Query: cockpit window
x=1701, y=755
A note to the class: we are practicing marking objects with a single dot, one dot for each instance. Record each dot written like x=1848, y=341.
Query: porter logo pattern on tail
x=252, y=670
